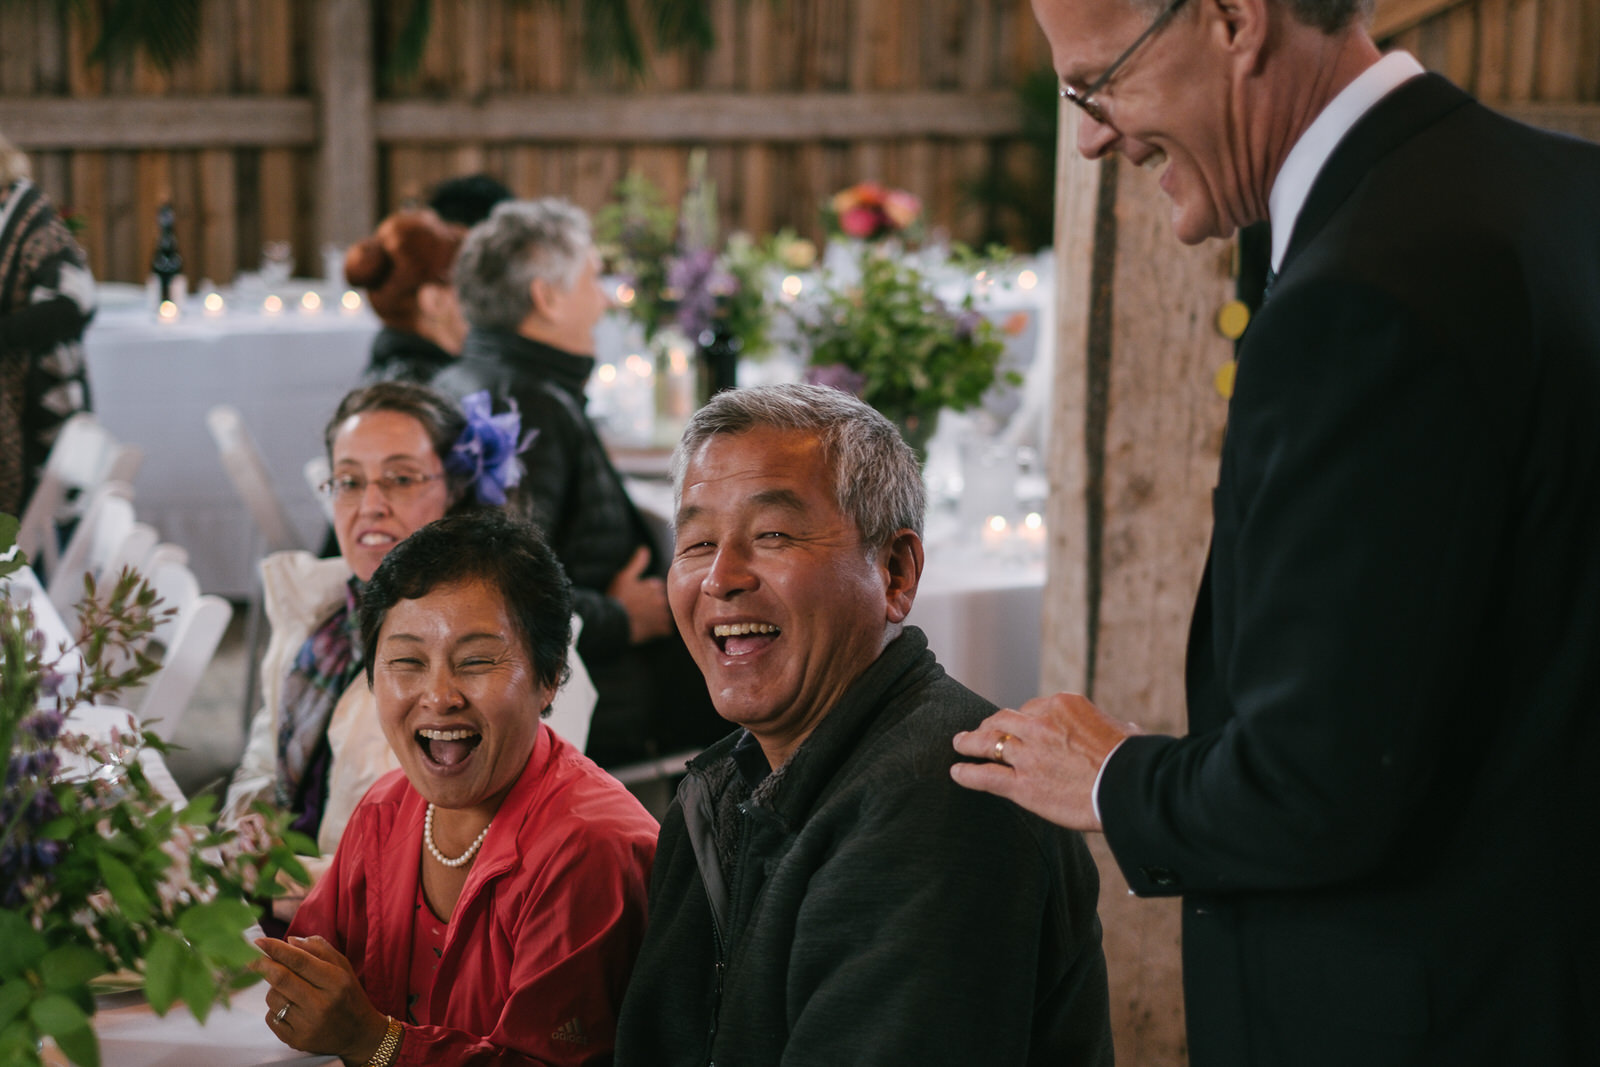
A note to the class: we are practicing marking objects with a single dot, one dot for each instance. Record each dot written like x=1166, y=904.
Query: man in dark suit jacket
x=1384, y=818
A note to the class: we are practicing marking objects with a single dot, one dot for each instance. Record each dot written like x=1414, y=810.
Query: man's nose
x=729, y=574
x=1095, y=139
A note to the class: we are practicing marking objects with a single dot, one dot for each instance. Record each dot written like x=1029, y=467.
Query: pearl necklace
x=465, y=857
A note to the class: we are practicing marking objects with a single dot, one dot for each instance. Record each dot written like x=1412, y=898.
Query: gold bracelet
x=390, y=1046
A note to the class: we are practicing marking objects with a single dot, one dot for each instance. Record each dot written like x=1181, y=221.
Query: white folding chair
x=99, y=540
x=573, y=710
x=188, y=640
x=241, y=458
x=84, y=456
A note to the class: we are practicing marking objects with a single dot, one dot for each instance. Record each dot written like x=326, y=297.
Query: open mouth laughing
x=744, y=638
x=448, y=748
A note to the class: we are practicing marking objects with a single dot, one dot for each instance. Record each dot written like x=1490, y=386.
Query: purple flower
x=43, y=727
x=700, y=280
x=837, y=376
x=486, y=452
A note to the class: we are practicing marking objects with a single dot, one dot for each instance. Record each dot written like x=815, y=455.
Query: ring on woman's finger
x=283, y=1013
x=1000, y=749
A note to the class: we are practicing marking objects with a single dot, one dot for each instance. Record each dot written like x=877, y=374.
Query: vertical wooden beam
x=757, y=165
x=349, y=151
x=273, y=43
x=1490, y=72
x=1134, y=443
x=1064, y=651
x=1522, y=60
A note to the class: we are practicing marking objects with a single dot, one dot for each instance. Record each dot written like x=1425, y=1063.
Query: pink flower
x=863, y=222
x=901, y=207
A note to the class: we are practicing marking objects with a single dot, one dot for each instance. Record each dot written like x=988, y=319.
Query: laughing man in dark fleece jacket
x=823, y=893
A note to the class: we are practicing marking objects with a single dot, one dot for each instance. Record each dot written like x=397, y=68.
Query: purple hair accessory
x=486, y=452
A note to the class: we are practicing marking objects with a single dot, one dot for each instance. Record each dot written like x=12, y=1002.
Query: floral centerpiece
x=889, y=339
x=871, y=211
x=679, y=275
x=99, y=876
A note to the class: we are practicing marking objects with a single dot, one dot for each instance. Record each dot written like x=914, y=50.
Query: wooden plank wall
x=492, y=69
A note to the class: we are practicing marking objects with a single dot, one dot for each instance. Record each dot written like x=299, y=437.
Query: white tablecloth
x=981, y=612
x=154, y=381
x=132, y=1035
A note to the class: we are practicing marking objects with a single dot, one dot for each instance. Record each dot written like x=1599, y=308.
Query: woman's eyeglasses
x=347, y=488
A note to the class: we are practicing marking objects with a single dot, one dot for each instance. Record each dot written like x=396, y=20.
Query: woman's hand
x=315, y=1003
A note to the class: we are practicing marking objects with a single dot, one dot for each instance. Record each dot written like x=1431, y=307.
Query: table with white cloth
x=981, y=611
x=153, y=380
x=236, y=1035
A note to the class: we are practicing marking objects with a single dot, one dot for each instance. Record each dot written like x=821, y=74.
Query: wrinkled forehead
x=1086, y=35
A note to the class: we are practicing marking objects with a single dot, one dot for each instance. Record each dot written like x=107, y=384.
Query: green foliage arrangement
x=100, y=877
x=615, y=31
x=677, y=271
x=890, y=340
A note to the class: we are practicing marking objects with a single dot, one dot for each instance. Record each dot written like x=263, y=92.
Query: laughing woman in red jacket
x=487, y=900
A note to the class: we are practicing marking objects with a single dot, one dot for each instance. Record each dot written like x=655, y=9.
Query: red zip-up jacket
x=540, y=946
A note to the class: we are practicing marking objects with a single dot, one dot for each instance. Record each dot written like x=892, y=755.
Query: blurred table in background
x=154, y=379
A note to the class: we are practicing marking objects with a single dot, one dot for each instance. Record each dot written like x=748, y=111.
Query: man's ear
x=902, y=562
x=1240, y=26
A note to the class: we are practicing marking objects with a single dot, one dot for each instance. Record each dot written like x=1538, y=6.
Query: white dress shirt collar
x=1311, y=151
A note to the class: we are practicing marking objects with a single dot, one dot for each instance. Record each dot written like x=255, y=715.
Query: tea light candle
x=792, y=285
x=311, y=303
x=1027, y=279
x=168, y=311
x=272, y=305
x=350, y=301
x=1032, y=532
x=996, y=532
x=214, y=304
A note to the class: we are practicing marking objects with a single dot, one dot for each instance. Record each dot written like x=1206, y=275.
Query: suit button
x=1160, y=876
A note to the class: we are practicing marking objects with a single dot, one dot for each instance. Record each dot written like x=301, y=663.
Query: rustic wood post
x=1137, y=428
x=348, y=166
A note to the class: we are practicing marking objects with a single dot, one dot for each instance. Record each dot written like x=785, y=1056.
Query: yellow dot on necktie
x=1232, y=318
x=1224, y=379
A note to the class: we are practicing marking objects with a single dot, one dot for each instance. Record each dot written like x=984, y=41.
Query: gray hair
x=1329, y=16
x=13, y=164
x=876, y=479
x=521, y=242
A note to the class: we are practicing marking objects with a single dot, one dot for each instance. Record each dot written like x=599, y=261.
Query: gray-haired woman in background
x=527, y=279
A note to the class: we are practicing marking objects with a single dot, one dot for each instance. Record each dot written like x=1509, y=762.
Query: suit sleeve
x=909, y=949
x=1357, y=516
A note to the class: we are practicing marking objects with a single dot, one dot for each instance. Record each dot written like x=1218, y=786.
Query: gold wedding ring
x=1000, y=749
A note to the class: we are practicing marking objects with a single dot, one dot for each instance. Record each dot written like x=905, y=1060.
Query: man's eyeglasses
x=348, y=488
x=1085, y=99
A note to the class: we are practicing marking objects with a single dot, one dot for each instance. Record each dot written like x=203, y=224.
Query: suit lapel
x=1391, y=122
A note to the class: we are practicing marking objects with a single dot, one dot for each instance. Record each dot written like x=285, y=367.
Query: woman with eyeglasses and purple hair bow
x=400, y=456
